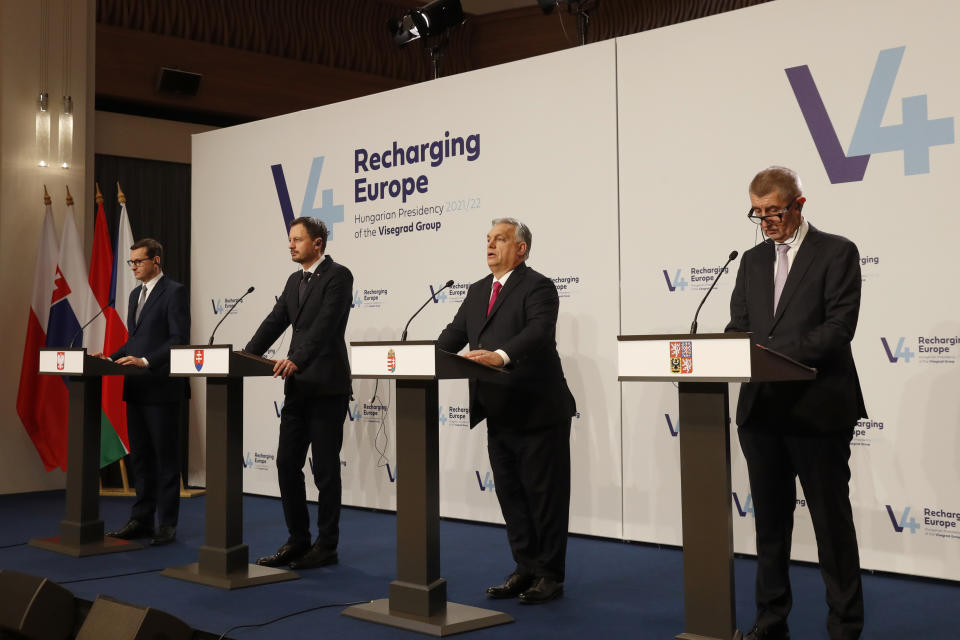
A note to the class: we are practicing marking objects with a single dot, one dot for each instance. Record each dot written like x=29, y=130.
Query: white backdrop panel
x=539, y=144
x=705, y=105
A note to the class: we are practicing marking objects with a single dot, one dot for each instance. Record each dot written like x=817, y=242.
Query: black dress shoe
x=514, y=586
x=283, y=557
x=316, y=557
x=165, y=535
x=133, y=529
x=776, y=631
x=543, y=590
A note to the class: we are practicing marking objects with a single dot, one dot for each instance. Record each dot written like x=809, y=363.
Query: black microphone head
x=733, y=255
x=449, y=283
x=250, y=290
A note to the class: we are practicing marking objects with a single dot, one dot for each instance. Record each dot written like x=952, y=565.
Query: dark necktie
x=304, y=279
x=493, y=298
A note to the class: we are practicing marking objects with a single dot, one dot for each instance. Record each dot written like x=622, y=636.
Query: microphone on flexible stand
x=433, y=294
x=731, y=258
x=99, y=313
x=236, y=302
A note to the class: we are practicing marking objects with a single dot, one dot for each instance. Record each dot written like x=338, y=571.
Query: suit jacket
x=814, y=324
x=319, y=323
x=164, y=322
x=523, y=323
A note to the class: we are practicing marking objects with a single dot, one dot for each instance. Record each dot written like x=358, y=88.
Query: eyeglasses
x=138, y=262
x=757, y=216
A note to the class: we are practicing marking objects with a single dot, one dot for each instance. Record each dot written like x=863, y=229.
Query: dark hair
x=154, y=248
x=315, y=229
x=784, y=181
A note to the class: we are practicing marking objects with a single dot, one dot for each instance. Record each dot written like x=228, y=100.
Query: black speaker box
x=111, y=619
x=33, y=607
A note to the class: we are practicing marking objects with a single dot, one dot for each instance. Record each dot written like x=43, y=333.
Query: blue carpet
x=615, y=589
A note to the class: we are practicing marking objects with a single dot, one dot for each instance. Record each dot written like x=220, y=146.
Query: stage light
x=433, y=19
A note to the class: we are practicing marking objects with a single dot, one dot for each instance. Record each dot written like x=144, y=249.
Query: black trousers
x=315, y=422
x=531, y=475
x=153, y=430
x=821, y=461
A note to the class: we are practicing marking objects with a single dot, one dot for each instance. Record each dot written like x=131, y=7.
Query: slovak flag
x=72, y=304
x=198, y=358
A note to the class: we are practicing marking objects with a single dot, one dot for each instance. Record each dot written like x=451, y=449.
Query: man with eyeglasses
x=799, y=293
x=158, y=317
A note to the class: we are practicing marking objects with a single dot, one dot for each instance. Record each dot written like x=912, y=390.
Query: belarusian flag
x=113, y=411
x=34, y=392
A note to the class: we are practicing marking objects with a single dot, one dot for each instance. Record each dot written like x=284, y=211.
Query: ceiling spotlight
x=433, y=19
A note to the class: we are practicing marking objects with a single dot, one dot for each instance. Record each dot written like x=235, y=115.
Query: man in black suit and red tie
x=509, y=320
x=158, y=317
x=316, y=303
x=799, y=293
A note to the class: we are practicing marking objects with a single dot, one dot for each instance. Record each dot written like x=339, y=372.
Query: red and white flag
x=30, y=394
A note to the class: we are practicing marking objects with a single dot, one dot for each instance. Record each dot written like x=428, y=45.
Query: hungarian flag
x=72, y=305
x=39, y=397
x=113, y=415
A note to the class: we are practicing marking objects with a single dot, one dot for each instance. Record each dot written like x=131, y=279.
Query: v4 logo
x=354, y=412
x=674, y=430
x=248, y=461
x=328, y=212
x=901, y=352
x=438, y=299
x=278, y=407
x=442, y=416
x=357, y=300
x=906, y=521
x=486, y=483
x=392, y=475
x=217, y=306
x=746, y=507
x=678, y=281
x=914, y=136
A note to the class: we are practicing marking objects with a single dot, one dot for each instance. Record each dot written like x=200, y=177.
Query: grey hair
x=522, y=232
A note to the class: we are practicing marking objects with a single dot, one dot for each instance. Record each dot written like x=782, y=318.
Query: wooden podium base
x=249, y=576
x=457, y=618
x=82, y=550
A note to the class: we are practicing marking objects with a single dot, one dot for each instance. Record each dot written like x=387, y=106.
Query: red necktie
x=493, y=298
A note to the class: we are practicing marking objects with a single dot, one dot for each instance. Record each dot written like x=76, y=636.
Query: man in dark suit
x=316, y=302
x=509, y=320
x=158, y=317
x=799, y=293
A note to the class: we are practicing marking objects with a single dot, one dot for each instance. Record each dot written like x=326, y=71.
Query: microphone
x=238, y=300
x=99, y=313
x=733, y=256
x=403, y=336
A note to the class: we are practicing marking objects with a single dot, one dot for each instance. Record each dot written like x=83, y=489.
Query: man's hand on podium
x=133, y=361
x=99, y=354
x=485, y=357
x=284, y=368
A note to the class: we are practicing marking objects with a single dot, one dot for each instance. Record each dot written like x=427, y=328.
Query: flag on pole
x=113, y=414
x=72, y=305
x=123, y=282
x=36, y=391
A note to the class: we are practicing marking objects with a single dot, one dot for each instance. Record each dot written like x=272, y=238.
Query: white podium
x=418, y=597
x=702, y=365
